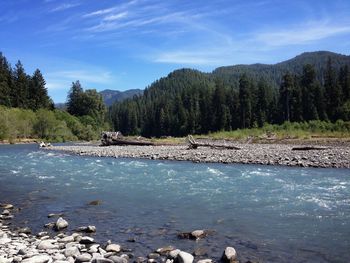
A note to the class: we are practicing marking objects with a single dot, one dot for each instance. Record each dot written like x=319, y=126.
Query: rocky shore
x=326, y=156
x=21, y=246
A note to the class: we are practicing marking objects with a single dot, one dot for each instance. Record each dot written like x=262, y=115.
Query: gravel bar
x=266, y=154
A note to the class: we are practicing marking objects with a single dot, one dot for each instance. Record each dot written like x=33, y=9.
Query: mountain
x=273, y=72
x=111, y=96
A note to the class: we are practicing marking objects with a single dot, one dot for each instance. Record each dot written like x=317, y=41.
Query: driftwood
x=194, y=145
x=116, y=138
x=308, y=148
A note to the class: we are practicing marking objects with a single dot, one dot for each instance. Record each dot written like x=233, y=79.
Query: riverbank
x=20, y=246
x=325, y=156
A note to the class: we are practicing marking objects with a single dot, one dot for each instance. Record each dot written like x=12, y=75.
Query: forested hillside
x=312, y=86
x=26, y=110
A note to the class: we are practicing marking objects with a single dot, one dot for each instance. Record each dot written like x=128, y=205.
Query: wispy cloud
x=64, y=6
x=98, y=77
x=111, y=9
x=302, y=34
x=114, y=17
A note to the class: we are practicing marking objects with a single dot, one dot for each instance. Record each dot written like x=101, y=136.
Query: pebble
x=229, y=255
x=113, y=248
x=61, y=224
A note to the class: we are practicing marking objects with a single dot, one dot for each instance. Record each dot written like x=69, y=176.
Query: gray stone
x=113, y=248
x=38, y=259
x=87, y=229
x=5, y=212
x=185, y=257
x=229, y=255
x=66, y=239
x=207, y=260
x=4, y=240
x=197, y=234
x=61, y=224
x=117, y=259
x=47, y=244
x=25, y=230
x=83, y=257
x=71, y=252
x=153, y=256
x=165, y=250
x=5, y=260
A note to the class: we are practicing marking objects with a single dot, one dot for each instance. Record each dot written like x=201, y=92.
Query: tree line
x=190, y=102
x=27, y=111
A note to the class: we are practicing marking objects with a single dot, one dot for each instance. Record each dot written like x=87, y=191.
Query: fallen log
x=308, y=148
x=116, y=138
x=194, y=145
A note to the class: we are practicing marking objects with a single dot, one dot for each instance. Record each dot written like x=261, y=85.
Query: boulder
x=113, y=248
x=197, y=234
x=165, y=250
x=61, y=224
x=229, y=255
x=66, y=239
x=174, y=253
x=185, y=257
x=87, y=229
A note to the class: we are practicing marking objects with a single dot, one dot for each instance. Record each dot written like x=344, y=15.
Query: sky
x=126, y=44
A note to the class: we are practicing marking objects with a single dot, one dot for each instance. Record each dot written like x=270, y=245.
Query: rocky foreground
x=20, y=246
x=335, y=156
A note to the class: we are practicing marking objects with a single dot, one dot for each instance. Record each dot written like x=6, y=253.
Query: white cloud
x=302, y=34
x=115, y=16
x=63, y=7
x=98, y=77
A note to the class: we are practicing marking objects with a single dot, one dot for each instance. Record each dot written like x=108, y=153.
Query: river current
x=269, y=214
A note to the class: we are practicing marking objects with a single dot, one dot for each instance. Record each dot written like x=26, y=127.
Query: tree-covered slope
x=273, y=73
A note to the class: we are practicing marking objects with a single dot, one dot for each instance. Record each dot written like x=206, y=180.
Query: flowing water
x=269, y=214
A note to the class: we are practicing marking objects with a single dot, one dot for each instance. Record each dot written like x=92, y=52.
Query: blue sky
x=124, y=44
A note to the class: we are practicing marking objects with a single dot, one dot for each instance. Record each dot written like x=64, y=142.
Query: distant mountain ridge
x=111, y=96
x=273, y=72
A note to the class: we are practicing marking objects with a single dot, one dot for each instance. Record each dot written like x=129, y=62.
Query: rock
x=7, y=206
x=229, y=255
x=5, y=212
x=174, y=253
x=93, y=248
x=54, y=215
x=83, y=257
x=66, y=239
x=5, y=260
x=185, y=257
x=38, y=259
x=101, y=260
x=4, y=240
x=61, y=224
x=197, y=234
x=86, y=240
x=153, y=256
x=87, y=229
x=184, y=235
x=25, y=230
x=165, y=250
x=113, y=248
x=117, y=259
x=47, y=244
x=41, y=234
x=95, y=202
x=71, y=252
x=140, y=260
x=207, y=260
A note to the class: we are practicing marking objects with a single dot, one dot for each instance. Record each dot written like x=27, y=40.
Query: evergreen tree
x=344, y=81
x=5, y=81
x=19, y=92
x=245, y=101
x=37, y=95
x=332, y=91
x=286, y=90
x=308, y=84
x=262, y=104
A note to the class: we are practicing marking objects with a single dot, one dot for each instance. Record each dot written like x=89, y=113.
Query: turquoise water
x=271, y=214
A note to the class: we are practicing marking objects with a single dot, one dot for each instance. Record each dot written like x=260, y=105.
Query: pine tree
x=286, y=89
x=5, y=81
x=74, y=100
x=332, y=92
x=245, y=101
x=19, y=92
x=37, y=95
x=308, y=84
